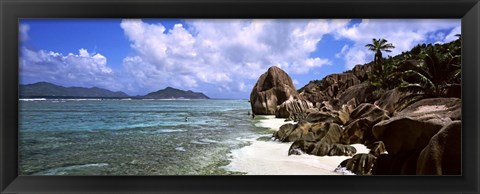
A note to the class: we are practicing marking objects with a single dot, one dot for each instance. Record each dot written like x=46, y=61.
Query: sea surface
x=133, y=137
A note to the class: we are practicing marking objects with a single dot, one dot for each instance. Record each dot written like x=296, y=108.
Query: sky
x=222, y=58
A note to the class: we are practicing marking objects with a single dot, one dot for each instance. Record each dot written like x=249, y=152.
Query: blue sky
x=221, y=58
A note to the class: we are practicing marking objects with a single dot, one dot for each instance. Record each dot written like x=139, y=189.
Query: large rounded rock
x=442, y=155
x=405, y=133
x=412, y=128
x=272, y=89
x=284, y=131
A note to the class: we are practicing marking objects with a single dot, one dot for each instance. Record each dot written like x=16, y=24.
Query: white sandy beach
x=271, y=157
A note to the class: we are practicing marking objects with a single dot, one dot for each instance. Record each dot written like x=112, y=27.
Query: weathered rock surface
x=362, y=120
x=304, y=130
x=272, y=89
x=327, y=117
x=321, y=140
x=393, y=101
x=291, y=106
x=275, y=94
x=313, y=92
x=337, y=83
x=362, y=71
x=320, y=148
x=412, y=128
x=362, y=93
x=433, y=108
x=442, y=155
x=360, y=164
x=331, y=87
x=377, y=148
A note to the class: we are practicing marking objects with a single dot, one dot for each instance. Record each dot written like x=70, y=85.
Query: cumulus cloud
x=222, y=53
x=23, y=32
x=404, y=34
x=82, y=69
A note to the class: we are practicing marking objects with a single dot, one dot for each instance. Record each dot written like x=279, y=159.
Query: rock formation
x=412, y=137
x=362, y=71
x=442, y=155
x=407, y=132
x=271, y=93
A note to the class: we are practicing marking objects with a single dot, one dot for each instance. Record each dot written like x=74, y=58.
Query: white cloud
x=404, y=34
x=82, y=69
x=23, y=32
x=451, y=36
x=342, y=51
x=223, y=53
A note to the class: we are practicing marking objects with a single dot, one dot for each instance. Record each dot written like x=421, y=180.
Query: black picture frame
x=12, y=10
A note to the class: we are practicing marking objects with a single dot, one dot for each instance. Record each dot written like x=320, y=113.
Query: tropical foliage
x=377, y=46
x=427, y=70
x=432, y=76
x=382, y=70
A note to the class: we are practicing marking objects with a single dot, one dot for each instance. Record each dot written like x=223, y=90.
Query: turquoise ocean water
x=131, y=137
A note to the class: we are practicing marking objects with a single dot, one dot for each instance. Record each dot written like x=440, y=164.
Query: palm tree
x=377, y=46
x=459, y=36
x=380, y=71
x=431, y=76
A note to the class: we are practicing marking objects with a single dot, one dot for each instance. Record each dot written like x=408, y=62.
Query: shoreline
x=271, y=157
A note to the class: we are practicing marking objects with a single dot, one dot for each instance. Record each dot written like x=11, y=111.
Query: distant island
x=49, y=90
x=173, y=93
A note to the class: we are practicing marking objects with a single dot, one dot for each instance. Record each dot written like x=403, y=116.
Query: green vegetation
x=433, y=76
x=377, y=46
x=427, y=70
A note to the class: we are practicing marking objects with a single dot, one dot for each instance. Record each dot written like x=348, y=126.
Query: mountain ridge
x=47, y=89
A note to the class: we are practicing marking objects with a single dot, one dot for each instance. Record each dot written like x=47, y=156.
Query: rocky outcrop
x=412, y=128
x=362, y=71
x=272, y=89
x=322, y=140
x=329, y=88
x=359, y=164
x=377, y=148
x=336, y=84
x=442, y=155
x=361, y=93
x=327, y=117
x=394, y=101
x=359, y=128
x=275, y=94
x=289, y=107
x=304, y=130
x=313, y=92
x=320, y=149
x=411, y=141
x=434, y=108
